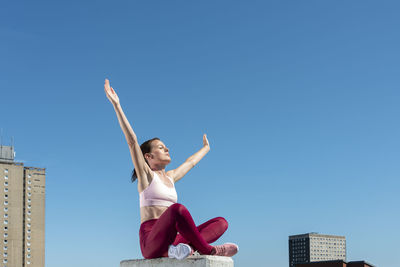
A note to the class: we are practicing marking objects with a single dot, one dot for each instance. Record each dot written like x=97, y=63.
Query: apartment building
x=314, y=247
x=22, y=212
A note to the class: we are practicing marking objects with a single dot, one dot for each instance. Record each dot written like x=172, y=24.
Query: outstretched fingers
x=107, y=86
x=110, y=93
x=205, y=141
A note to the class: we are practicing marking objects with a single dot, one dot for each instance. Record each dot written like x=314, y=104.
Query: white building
x=314, y=247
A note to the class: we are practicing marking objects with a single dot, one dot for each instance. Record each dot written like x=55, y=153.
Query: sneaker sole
x=180, y=251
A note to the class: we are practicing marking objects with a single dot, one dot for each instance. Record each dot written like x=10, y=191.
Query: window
x=6, y=177
x=28, y=231
x=29, y=187
x=5, y=248
x=5, y=196
x=5, y=209
x=5, y=215
x=6, y=183
x=5, y=228
x=29, y=200
x=29, y=181
x=28, y=256
x=5, y=235
x=5, y=189
x=6, y=202
x=28, y=244
x=28, y=249
x=28, y=237
x=29, y=225
x=5, y=261
x=29, y=212
x=29, y=194
x=5, y=170
x=29, y=206
x=5, y=222
x=5, y=241
x=29, y=176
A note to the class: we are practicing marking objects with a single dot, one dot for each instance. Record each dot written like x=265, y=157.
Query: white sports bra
x=158, y=194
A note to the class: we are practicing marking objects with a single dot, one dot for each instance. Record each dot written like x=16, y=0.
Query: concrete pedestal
x=193, y=261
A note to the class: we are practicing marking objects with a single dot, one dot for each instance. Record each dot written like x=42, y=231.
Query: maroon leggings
x=157, y=234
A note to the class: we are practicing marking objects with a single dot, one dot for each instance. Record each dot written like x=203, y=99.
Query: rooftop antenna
x=1, y=141
x=12, y=147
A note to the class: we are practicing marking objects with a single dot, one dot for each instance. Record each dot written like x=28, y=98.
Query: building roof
x=315, y=234
x=362, y=262
x=7, y=153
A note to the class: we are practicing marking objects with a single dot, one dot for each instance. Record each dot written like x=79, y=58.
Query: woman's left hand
x=205, y=141
x=179, y=172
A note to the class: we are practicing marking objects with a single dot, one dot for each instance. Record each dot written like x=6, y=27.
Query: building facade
x=337, y=263
x=22, y=212
x=313, y=247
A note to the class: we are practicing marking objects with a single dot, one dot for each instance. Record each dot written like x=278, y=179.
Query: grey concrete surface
x=193, y=261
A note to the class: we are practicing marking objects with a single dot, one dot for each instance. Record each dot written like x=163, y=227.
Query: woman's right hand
x=110, y=93
x=205, y=142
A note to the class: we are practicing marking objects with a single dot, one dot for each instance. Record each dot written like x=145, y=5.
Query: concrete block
x=192, y=261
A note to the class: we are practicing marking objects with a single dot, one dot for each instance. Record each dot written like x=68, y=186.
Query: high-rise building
x=22, y=210
x=336, y=263
x=313, y=247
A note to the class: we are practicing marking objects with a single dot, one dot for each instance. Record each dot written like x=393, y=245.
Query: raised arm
x=142, y=169
x=179, y=172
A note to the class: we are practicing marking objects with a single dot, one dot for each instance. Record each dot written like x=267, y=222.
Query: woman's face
x=159, y=153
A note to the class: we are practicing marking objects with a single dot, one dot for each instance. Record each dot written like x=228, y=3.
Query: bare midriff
x=151, y=212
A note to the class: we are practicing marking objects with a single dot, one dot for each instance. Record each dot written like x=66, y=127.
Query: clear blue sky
x=300, y=101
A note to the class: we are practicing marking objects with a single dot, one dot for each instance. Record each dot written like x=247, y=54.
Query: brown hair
x=146, y=148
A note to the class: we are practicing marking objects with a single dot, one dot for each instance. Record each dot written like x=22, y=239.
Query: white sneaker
x=180, y=251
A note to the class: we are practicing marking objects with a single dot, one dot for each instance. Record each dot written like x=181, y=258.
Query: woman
x=161, y=217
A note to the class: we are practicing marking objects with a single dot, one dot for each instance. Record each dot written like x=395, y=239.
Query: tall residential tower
x=314, y=247
x=22, y=210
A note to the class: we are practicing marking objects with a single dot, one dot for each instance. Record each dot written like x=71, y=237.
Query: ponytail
x=146, y=148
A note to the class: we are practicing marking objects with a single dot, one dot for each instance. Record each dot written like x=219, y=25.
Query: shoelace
x=220, y=250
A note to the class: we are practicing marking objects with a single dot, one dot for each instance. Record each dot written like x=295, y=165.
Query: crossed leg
x=164, y=232
x=211, y=230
